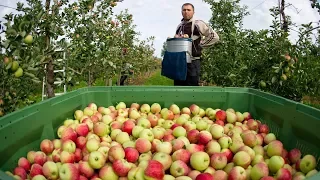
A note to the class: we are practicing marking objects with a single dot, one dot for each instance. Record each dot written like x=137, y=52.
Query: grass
x=158, y=80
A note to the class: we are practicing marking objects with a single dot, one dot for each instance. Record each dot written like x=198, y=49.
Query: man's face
x=187, y=12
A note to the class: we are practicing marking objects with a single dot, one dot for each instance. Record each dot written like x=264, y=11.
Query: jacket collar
x=184, y=21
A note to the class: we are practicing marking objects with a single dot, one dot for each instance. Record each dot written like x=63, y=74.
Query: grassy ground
x=157, y=79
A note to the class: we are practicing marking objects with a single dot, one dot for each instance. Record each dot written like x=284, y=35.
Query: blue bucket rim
x=179, y=39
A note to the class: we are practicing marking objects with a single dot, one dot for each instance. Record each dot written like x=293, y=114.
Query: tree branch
x=302, y=34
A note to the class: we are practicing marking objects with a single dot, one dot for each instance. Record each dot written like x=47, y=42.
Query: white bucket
x=180, y=45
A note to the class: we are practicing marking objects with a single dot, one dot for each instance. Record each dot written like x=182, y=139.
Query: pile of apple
x=153, y=143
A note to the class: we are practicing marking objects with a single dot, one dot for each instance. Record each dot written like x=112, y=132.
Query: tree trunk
x=285, y=22
x=50, y=67
x=89, y=78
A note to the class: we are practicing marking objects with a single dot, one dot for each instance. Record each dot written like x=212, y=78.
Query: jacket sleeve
x=210, y=36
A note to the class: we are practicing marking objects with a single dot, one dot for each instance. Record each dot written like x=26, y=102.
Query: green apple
x=242, y=158
x=145, y=108
x=308, y=163
x=69, y=146
x=92, y=145
x=145, y=157
x=147, y=133
x=161, y=122
x=28, y=39
x=167, y=124
x=158, y=132
x=121, y=105
x=200, y=160
x=36, y=177
x=165, y=147
x=181, y=120
x=155, y=108
x=144, y=122
x=136, y=173
x=201, y=125
x=168, y=177
x=96, y=159
x=225, y=142
x=275, y=163
x=179, y=131
x=217, y=131
x=136, y=131
x=50, y=170
x=179, y=168
x=122, y=137
x=164, y=158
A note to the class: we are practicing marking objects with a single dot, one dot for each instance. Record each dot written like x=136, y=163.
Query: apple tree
x=28, y=46
x=264, y=59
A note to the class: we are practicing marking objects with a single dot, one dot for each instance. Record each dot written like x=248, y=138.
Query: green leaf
x=274, y=79
x=23, y=33
x=9, y=66
x=43, y=58
x=30, y=74
x=36, y=80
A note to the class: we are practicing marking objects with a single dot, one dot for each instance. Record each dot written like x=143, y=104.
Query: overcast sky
x=164, y=15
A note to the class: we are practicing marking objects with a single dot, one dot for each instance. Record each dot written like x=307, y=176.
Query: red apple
x=24, y=163
x=274, y=148
x=82, y=129
x=221, y=115
x=220, y=122
x=77, y=155
x=179, y=168
x=131, y=154
x=237, y=173
x=218, y=161
x=40, y=158
x=267, y=178
x=121, y=167
x=220, y=174
x=46, y=146
x=154, y=170
x=253, y=124
x=283, y=174
x=204, y=176
x=182, y=155
x=116, y=152
x=249, y=139
x=177, y=144
x=193, y=136
x=127, y=126
x=36, y=169
x=85, y=169
x=81, y=142
x=19, y=171
x=204, y=137
x=69, y=133
x=264, y=129
x=153, y=119
x=194, y=109
x=294, y=155
x=228, y=154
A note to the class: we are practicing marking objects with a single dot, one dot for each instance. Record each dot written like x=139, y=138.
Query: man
x=202, y=35
x=125, y=73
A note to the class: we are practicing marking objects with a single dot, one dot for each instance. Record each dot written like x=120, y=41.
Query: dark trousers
x=122, y=79
x=193, y=75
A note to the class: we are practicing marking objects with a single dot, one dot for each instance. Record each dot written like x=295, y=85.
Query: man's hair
x=187, y=4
